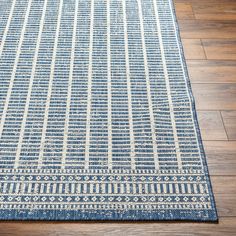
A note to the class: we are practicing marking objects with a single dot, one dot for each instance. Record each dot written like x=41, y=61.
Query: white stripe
x=178, y=155
x=68, y=101
x=87, y=141
x=132, y=140
x=22, y=130
x=4, y=113
x=149, y=96
x=40, y=161
x=186, y=83
x=7, y=27
x=109, y=96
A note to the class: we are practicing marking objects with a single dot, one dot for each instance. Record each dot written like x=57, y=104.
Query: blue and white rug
x=97, y=115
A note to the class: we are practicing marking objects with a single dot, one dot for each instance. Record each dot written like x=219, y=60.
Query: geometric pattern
x=97, y=116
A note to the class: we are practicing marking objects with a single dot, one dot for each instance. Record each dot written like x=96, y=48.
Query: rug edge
x=109, y=215
x=193, y=108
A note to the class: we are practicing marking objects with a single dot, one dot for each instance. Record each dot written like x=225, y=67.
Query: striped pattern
x=97, y=118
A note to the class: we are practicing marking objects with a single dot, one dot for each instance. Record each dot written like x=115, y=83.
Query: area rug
x=97, y=116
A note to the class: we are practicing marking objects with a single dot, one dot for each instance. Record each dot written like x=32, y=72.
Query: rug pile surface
x=97, y=116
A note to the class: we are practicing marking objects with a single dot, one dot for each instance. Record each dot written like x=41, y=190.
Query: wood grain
x=206, y=29
x=224, y=184
x=222, y=169
x=215, y=96
x=226, y=227
x=193, y=49
x=204, y=2
x=212, y=127
x=212, y=71
x=220, y=49
x=229, y=119
x=226, y=204
x=184, y=11
x=218, y=11
x=221, y=157
x=220, y=152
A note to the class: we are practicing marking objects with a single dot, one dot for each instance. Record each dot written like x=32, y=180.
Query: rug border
x=111, y=215
x=133, y=215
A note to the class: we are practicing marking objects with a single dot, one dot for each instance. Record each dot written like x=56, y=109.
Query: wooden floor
x=208, y=31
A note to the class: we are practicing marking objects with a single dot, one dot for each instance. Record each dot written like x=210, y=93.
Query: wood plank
x=220, y=152
x=226, y=226
x=193, y=49
x=223, y=184
x=211, y=125
x=221, y=157
x=204, y=2
x=215, y=96
x=229, y=119
x=219, y=11
x=184, y=11
x=212, y=71
x=220, y=49
x=222, y=169
x=183, y=7
x=206, y=29
x=226, y=204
